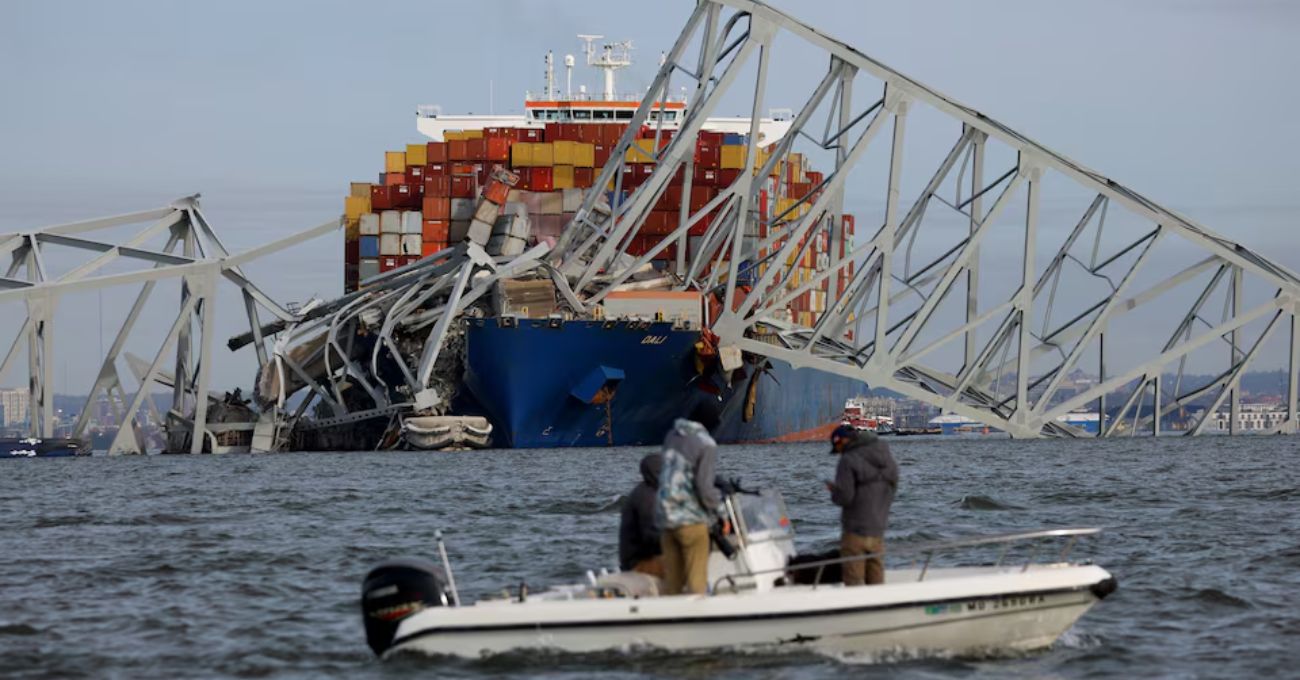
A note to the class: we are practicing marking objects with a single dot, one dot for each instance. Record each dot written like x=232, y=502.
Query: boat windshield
x=763, y=514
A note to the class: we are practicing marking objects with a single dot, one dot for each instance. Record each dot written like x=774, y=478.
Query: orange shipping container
x=394, y=178
x=435, y=152
x=432, y=248
x=497, y=149
x=458, y=150
x=437, y=208
x=436, y=230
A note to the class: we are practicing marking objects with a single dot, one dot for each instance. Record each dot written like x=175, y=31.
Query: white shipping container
x=411, y=244
x=390, y=244
x=412, y=222
x=572, y=200
x=551, y=203
x=369, y=224
x=390, y=222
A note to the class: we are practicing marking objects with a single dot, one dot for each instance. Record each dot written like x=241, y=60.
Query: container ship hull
x=620, y=383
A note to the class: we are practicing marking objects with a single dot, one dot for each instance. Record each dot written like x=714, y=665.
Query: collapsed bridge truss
x=993, y=277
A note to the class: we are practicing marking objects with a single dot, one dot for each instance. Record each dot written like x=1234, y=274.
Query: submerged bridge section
x=173, y=245
x=998, y=274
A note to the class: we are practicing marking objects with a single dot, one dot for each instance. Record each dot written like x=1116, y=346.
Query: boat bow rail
x=923, y=554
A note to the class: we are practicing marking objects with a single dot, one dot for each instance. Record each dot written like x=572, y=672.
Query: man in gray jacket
x=865, y=481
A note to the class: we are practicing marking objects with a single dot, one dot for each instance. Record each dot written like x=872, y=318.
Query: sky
x=270, y=109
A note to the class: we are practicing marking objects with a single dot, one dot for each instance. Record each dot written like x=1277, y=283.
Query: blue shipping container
x=733, y=138
x=369, y=246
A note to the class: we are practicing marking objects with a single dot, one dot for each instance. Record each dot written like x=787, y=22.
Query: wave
x=978, y=502
x=1214, y=596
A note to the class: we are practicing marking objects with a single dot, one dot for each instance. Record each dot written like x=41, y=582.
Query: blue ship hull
x=545, y=386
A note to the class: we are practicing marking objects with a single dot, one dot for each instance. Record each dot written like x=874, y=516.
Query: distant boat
x=36, y=447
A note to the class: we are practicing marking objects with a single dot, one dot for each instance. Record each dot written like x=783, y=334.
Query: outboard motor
x=396, y=590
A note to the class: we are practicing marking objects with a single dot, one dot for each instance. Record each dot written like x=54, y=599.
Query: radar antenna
x=609, y=58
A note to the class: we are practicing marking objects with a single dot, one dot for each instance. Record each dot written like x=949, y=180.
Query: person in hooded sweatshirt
x=688, y=501
x=638, y=533
x=865, y=482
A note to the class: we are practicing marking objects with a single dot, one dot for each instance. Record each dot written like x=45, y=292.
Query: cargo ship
x=620, y=376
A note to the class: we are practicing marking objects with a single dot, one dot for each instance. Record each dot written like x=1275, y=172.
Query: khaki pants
x=870, y=571
x=651, y=567
x=686, y=558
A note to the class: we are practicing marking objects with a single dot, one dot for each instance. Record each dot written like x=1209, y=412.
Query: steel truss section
x=1001, y=359
x=193, y=255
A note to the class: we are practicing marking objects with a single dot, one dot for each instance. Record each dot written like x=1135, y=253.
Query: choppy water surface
x=251, y=565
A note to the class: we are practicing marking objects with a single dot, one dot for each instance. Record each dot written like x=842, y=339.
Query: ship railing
x=596, y=97
x=923, y=554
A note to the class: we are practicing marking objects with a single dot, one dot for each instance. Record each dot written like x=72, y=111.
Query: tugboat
x=35, y=447
x=857, y=414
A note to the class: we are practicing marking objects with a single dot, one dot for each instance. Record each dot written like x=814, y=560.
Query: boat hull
x=962, y=616
x=41, y=448
x=528, y=377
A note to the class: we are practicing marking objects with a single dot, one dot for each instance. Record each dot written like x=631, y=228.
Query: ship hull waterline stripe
x=745, y=617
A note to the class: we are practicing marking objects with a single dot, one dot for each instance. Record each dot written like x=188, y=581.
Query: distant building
x=15, y=406
x=952, y=423
x=1259, y=417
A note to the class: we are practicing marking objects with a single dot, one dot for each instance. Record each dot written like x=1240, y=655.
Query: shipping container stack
x=425, y=200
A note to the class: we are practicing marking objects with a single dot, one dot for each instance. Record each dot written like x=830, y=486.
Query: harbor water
x=250, y=566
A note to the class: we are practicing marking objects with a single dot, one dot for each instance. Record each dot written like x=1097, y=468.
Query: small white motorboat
x=759, y=599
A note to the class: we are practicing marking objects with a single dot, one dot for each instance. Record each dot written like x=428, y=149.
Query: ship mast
x=611, y=58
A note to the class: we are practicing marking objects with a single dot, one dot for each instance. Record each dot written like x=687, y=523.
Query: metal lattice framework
x=191, y=253
x=931, y=329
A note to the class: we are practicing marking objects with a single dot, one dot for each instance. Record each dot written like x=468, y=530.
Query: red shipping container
x=583, y=178
x=708, y=155
x=432, y=247
x=404, y=260
x=700, y=196
x=644, y=170
x=701, y=226
x=418, y=189
x=437, y=185
x=394, y=178
x=414, y=174
x=498, y=133
x=710, y=137
x=442, y=168
x=476, y=148
x=436, y=208
x=482, y=173
x=602, y=154
x=463, y=168
x=436, y=230
x=728, y=177
x=436, y=152
x=541, y=179
x=404, y=197
x=530, y=134
x=462, y=186
x=800, y=189
x=352, y=251
x=389, y=262
x=458, y=150
x=497, y=149
x=706, y=177
x=815, y=178
x=589, y=133
x=611, y=133
x=380, y=198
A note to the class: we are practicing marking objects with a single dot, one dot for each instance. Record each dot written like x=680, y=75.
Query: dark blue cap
x=844, y=432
